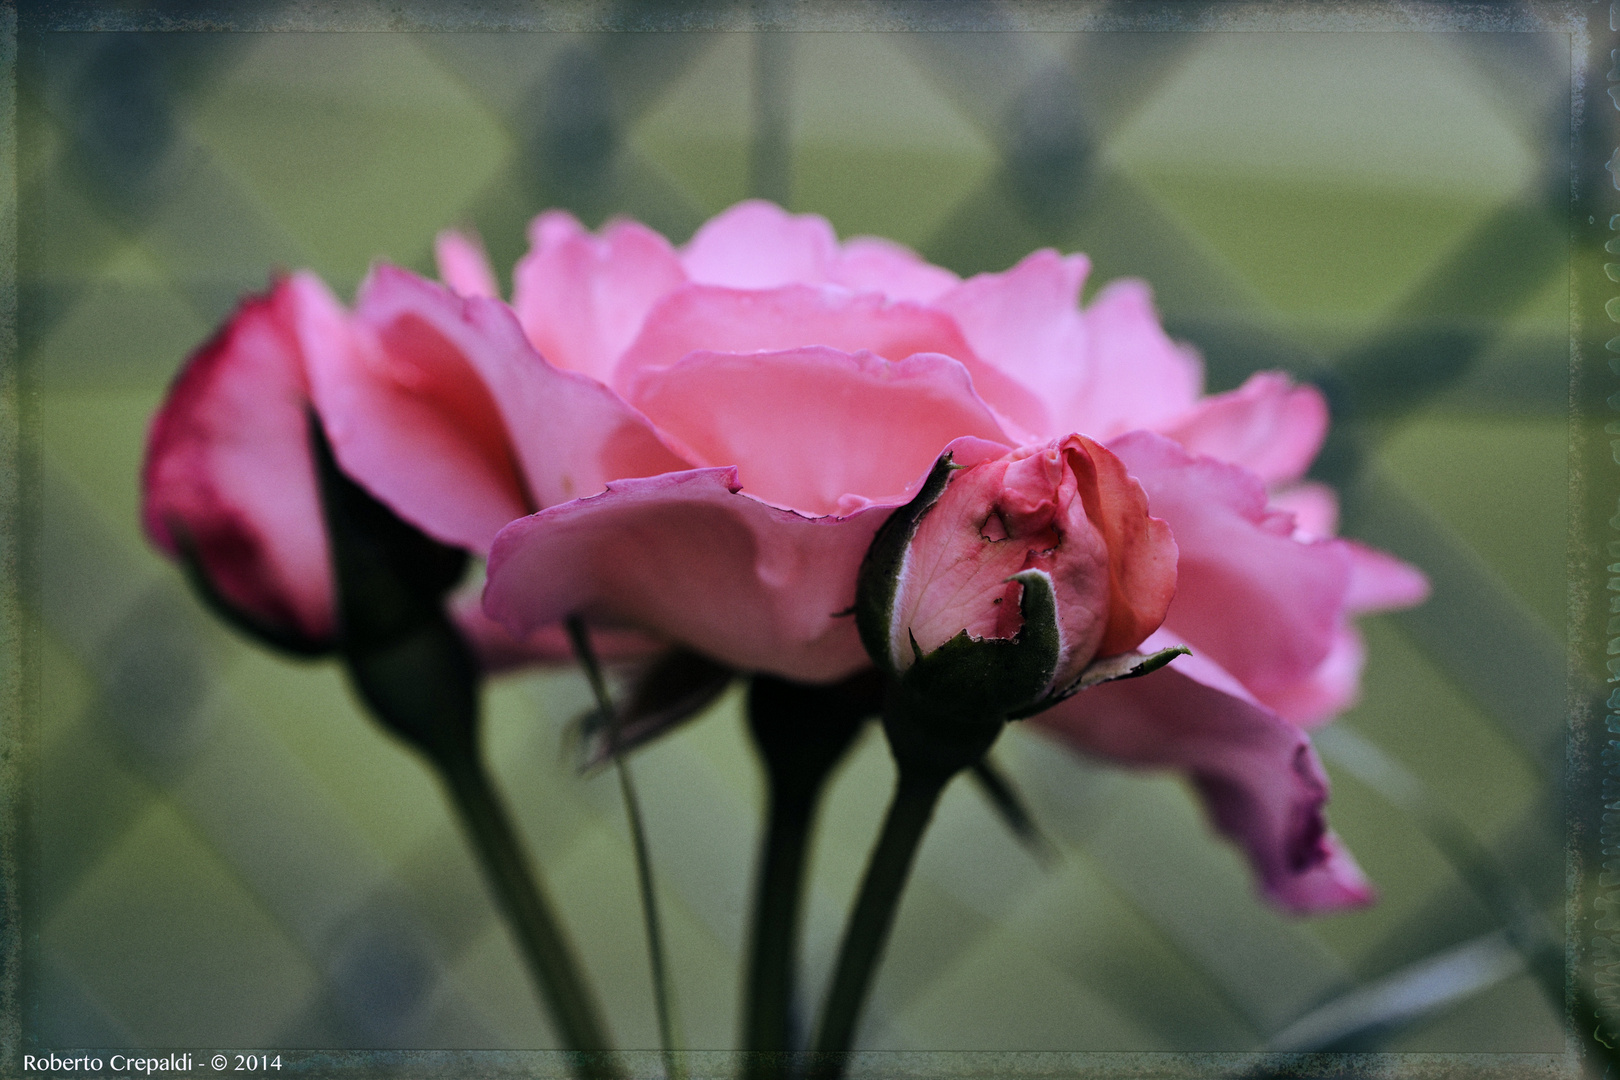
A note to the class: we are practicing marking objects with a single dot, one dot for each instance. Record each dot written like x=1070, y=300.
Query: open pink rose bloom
x=698, y=445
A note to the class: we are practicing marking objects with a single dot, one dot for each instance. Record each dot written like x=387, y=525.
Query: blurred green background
x=225, y=852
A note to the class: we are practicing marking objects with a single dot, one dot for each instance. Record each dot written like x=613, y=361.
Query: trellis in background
x=224, y=853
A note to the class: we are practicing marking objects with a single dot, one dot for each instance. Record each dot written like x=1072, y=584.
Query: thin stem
x=915, y=797
x=529, y=913
x=663, y=993
x=777, y=899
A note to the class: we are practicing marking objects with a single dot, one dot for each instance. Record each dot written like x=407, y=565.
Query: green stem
x=915, y=796
x=777, y=899
x=663, y=993
x=529, y=914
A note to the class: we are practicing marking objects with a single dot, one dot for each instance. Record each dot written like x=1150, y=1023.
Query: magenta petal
x=1259, y=779
x=581, y=298
x=713, y=319
x=1268, y=425
x=758, y=245
x=1260, y=603
x=810, y=428
x=463, y=265
x=228, y=462
x=688, y=558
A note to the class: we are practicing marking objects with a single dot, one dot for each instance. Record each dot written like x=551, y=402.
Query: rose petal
x=758, y=245
x=872, y=264
x=1268, y=425
x=1257, y=775
x=689, y=558
x=1136, y=377
x=581, y=298
x=1381, y=582
x=1026, y=321
x=714, y=319
x=499, y=651
x=808, y=427
x=1260, y=603
x=1315, y=508
x=451, y=418
x=463, y=265
x=228, y=461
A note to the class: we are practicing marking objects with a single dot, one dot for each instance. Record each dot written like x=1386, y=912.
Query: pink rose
x=702, y=443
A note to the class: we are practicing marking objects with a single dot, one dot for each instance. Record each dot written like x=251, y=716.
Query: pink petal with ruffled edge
x=582, y=298
x=1026, y=321
x=1259, y=779
x=1268, y=425
x=815, y=429
x=1263, y=605
x=686, y=557
x=463, y=265
x=1136, y=377
x=758, y=245
x=228, y=461
x=872, y=264
x=499, y=651
x=449, y=416
x=713, y=319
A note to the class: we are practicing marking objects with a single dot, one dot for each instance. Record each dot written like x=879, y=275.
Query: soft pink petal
x=463, y=265
x=872, y=264
x=1315, y=508
x=1268, y=425
x=1330, y=689
x=455, y=422
x=1259, y=779
x=228, y=461
x=688, y=558
x=1026, y=321
x=1381, y=582
x=758, y=245
x=582, y=298
x=1136, y=377
x=411, y=419
x=713, y=319
x=809, y=428
x=1263, y=605
x=499, y=651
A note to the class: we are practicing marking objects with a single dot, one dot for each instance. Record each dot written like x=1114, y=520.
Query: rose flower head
x=993, y=593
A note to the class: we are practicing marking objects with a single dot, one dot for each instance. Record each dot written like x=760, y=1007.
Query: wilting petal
x=872, y=264
x=454, y=421
x=758, y=245
x=582, y=298
x=228, y=462
x=1026, y=321
x=712, y=319
x=463, y=265
x=1136, y=377
x=1268, y=425
x=1256, y=773
x=1255, y=600
x=815, y=429
x=689, y=558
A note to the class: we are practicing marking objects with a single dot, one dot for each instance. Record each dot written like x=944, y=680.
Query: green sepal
x=407, y=661
x=1130, y=665
x=947, y=708
x=878, y=582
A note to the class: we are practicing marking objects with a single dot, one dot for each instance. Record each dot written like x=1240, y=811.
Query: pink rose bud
x=996, y=591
